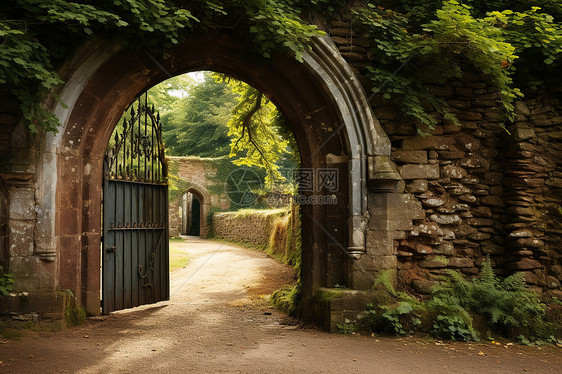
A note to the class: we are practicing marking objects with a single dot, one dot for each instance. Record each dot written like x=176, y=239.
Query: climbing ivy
x=37, y=35
x=517, y=43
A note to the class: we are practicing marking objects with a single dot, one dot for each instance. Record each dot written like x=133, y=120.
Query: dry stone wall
x=485, y=193
x=250, y=227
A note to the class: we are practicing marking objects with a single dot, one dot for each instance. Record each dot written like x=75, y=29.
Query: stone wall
x=195, y=175
x=252, y=227
x=484, y=192
x=471, y=191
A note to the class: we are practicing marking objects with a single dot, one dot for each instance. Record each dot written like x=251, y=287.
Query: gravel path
x=218, y=320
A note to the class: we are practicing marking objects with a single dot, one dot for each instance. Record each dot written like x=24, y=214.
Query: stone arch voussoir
x=321, y=97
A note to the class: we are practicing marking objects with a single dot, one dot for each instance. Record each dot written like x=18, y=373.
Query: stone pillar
x=524, y=186
x=391, y=214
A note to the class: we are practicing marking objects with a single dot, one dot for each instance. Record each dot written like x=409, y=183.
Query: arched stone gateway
x=328, y=112
x=204, y=207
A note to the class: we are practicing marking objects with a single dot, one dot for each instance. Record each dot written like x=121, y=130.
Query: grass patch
x=74, y=313
x=258, y=212
x=178, y=258
x=10, y=329
x=287, y=299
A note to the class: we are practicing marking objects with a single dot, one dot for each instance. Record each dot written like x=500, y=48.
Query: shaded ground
x=219, y=321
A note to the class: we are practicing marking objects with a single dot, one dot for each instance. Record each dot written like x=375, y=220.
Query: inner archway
x=321, y=98
x=193, y=212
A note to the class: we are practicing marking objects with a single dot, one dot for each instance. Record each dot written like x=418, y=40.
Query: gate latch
x=111, y=249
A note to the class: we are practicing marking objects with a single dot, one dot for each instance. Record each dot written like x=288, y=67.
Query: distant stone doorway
x=193, y=219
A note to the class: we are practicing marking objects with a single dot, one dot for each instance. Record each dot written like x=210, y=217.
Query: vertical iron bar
x=132, y=149
x=145, y=136
x=125, y=150
x=152, y=147
x=139, y=140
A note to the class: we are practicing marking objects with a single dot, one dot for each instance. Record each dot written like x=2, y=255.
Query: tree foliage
x=259, y=132
x=196, y=125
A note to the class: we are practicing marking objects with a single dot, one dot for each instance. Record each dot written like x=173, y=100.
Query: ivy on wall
x=517, y=43
x=37, y=35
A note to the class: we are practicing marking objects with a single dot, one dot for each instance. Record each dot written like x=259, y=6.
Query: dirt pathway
x=219, y=321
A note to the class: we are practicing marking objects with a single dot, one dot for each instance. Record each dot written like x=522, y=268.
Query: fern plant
x=6, y=281
x=505, y=303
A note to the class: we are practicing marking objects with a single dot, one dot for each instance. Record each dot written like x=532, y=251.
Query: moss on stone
x=74, y=314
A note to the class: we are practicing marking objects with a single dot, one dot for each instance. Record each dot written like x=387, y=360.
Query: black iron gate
x=135, y=253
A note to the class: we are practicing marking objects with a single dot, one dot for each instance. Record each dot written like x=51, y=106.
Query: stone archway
x=205, y=206
x=322, y=99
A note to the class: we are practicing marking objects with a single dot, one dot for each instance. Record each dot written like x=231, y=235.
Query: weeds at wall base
x=74, y=314
x=459, y=309
x=10, y=329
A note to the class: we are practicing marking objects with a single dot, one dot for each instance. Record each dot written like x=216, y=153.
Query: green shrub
x=504, y=303
x=6, y=281
x=504, y=307
x=346, y=327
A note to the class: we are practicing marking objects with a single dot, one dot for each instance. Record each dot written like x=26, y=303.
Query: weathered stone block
x=421, y=249
x=381, y=263
x=417, y=186
x=524, y=264
x=453, y=172
x=451, y=155
x=521, y=133
x=523, y=233
x=379, y=244
x=430, y=229
x=423, y=286
x=552, y=282
x=32, y=274
x=22, y=203
x=445, y=219
x=403, y=254
x=410, y=157
x=521, y=108
x=520, y=211
x=429, y=142
x=445, y=248
x=434, y=262
x=392, y=212
x=468, y=198
x=461, y=262
x=464, y=230
x=482, y=211
x=480, y=222
x=419, y=171
x=21, y=242
x=479, y=236
x=433, y=202
x=460, y=207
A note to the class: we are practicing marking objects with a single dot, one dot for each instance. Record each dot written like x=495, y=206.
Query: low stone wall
x=252, y=227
